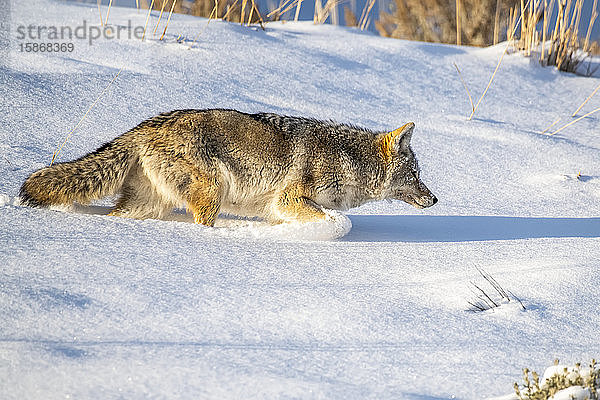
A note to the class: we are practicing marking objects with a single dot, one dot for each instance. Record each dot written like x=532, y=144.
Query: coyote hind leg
x=139, y=199
x=204, y=199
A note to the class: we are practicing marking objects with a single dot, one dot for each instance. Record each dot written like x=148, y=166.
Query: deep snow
x=103, y=307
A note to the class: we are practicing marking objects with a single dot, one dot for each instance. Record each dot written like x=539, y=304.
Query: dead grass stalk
x=59, y=148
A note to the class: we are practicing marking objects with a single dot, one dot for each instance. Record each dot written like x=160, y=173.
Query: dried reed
x=323, y=13
x=458, y=30
x=362, y=22
x=551, y=125
x=485, y=301
x=349, y=17
x=497, y=23
x=147, y=19
x=260, y=19
x=586, y=100
x=282, y=5
x=162, y=8
x=284, y=8
x=243, y=11
x=497, y=66
x=203, y=29
x=229, y=9
x=465, y=85
x=298, y=10
x=586, y=44
x=572, y=122
x=168, y=20
x=100, y=12
x=108, y=12
x=59, y=148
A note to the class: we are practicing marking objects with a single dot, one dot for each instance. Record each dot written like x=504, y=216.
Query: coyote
x=275, y=167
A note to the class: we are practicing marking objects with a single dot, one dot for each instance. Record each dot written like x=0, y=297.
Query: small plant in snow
x=491, y=298
x=561, y=382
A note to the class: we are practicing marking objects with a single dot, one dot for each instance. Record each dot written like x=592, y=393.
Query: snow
x=573, y=393
x=93, y=306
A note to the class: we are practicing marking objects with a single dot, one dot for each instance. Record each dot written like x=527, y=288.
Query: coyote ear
x=396, y=141
x=400, y=138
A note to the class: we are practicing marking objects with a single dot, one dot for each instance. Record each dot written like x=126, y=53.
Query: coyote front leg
x=294, y=203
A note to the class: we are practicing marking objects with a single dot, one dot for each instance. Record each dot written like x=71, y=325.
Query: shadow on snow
x=439, y=228
x=425, y=228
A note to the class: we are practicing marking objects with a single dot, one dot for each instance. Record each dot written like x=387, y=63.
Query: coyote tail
x=95, y=175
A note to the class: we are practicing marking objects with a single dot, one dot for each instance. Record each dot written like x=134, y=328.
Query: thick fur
x=266, y=165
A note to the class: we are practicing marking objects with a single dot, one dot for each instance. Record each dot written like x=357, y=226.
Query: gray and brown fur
x=275, y=167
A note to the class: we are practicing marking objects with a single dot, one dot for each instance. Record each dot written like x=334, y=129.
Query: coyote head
x=402, y=171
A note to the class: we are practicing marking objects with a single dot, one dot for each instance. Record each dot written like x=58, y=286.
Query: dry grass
x=510, y=35
x=586, y=44
x=458, y=24
x=489, y=83
x=466, y=88
x=486, y=22
x=147, y=19
x=168, y=20
x=162, y=9
x=559, y=45
x=573, y=115
x=563, y=48
x=298, y=10
x=324, y=12
x=350, y=17
x=228, y=10
x=472, y=22
x=100, y=12
x=556, y=121
x=364, y=16
x=576, y=120
x=108, y=12
x=284, y=7
x=586, y=100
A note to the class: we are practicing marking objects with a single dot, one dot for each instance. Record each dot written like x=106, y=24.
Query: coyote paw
x=339, y=224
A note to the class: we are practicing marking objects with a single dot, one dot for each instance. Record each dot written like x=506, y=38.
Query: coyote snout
x=421, y=197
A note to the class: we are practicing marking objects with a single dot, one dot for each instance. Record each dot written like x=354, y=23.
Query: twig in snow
x=465, y=85
x=484, y=299
x=586, y=100
x=572, y=122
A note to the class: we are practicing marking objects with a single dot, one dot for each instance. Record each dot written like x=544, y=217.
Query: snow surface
x=93, y=306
